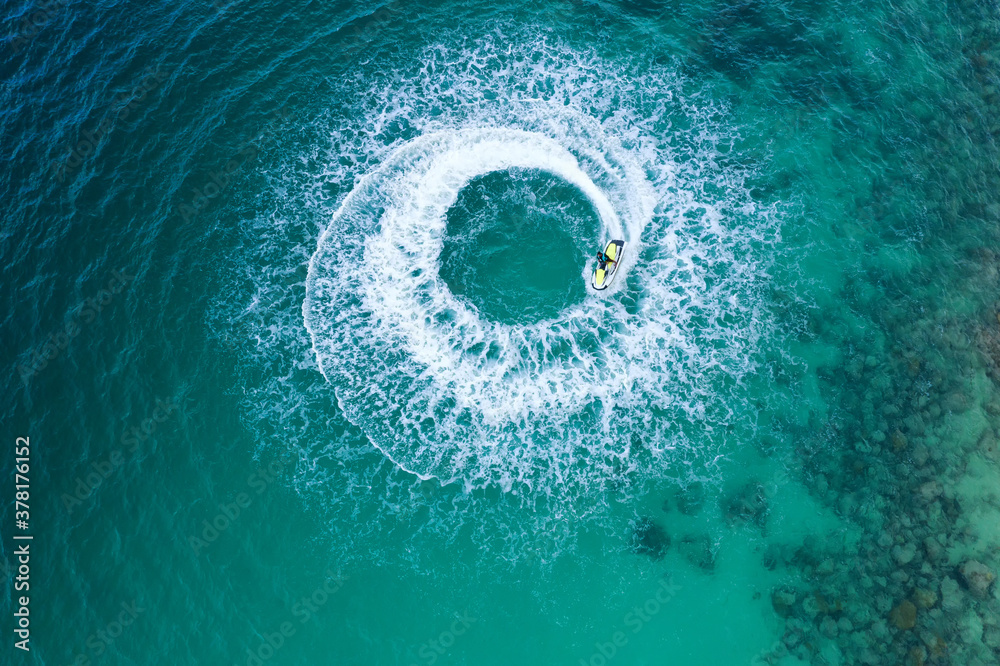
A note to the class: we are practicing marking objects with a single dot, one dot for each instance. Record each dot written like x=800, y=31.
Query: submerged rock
x=899, y=441
x=648, y=538
x=904, y=616
x=971, y=629
x=956, y=402
x=811, y=606
x=951, y=594
x=904, y=554
x=934, y=643
x=773, y=556
x=748, y=504
x=792, y=638
x=988, y=446
x=697, y=549
x=690, y=499
x=783, y=601
x=880, y=630
x=917, y=656
x=930, y=490
x=924, y=598
x=977, y=577
x=991, y=636
x=933, y=548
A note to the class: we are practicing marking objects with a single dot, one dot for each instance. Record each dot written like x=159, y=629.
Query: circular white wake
x=398, y=346
x=626, y=374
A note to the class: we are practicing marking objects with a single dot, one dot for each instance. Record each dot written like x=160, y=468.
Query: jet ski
x=604, y=276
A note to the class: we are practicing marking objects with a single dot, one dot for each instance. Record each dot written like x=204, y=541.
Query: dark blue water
x=297, y=318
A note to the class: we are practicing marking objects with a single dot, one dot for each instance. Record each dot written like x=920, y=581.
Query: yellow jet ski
x=605, y=275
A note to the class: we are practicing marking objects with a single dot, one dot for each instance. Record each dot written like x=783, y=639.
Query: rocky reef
x=649, y=538
x=920, y=480
x=909, y=453
x=746, y=505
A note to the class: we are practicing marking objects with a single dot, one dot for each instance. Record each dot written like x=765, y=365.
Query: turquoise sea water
x=297, y=318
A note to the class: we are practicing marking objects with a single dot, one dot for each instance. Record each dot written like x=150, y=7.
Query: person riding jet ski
x=604, y=262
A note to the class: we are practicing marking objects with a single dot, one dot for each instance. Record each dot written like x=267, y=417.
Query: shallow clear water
x=327, y=383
